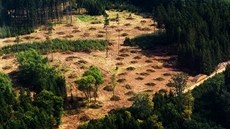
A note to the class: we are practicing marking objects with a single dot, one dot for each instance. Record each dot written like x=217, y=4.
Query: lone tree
x=179, y=81
x=106, y=24
x=17, y=40
x=98, y=76
x=118, y=43
x=86, y=85
x=48, y=35
x=114, y=82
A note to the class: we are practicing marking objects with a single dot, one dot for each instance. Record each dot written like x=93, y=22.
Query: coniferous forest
x=197, y=30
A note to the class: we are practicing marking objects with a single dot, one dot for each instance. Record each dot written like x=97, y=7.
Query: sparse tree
x=118, y=23
x=17, y=40
x=86, y=85
x=106, y=24
x=48, y=35
x=179, y=82
x=98, y=76
x=114, y=83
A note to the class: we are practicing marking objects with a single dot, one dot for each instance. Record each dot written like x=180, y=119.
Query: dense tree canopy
x=22, y=112
x=36, y=73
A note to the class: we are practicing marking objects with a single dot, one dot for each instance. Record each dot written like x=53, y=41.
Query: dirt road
x=220, y=69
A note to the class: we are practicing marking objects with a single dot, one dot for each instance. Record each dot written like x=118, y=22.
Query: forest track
x=219, y=69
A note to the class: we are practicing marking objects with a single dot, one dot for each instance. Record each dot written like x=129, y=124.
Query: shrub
x=160, y=79
x=130, y=68
x=130, y=93
x=84, y=118
x=139, y=78
x=108, y=88
x=122, y=74
x=150, y=70
x=133, y=62
x=150, y=84
x=144, y=74
x=124, y=34
x=166, y=74
x=137, y=57
x=127, y=86
x=121, y=80
x=115, y=98
x=149, y=61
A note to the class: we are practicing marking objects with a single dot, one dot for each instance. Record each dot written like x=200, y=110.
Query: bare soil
x=73, y=64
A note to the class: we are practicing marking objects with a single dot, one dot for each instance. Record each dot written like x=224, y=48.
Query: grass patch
x=87, y=18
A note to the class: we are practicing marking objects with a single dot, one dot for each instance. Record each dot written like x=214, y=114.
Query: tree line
x=199, y=28
x=22, y=16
